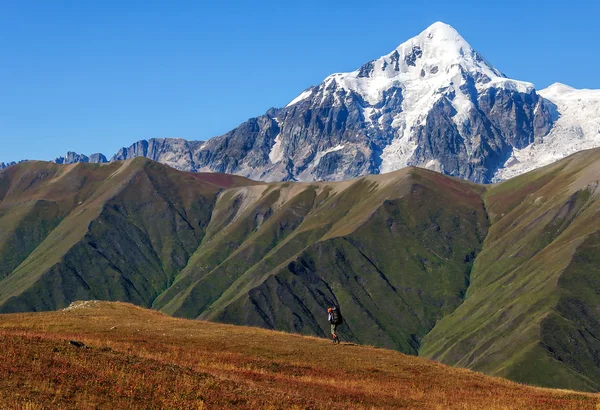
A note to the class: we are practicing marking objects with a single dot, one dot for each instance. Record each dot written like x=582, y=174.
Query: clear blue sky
x=92, y=76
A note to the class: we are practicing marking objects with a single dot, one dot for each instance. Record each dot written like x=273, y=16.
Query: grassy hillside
x=137, y=358
x=385, y=248
x=531, y=312
x=120, y=231
x=501, y=279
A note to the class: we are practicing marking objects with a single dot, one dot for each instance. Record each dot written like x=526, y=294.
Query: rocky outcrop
x=6, y=165
x=73, y=158
x=98, y=158
x=175, y=152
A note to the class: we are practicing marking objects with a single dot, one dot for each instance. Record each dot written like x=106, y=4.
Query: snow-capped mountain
x=432, y=102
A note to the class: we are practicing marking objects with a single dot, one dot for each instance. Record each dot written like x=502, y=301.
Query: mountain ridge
x=531, y=250
x=420, y=262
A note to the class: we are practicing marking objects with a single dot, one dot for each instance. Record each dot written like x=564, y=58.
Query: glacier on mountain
x=576, y=127
x=436, y=65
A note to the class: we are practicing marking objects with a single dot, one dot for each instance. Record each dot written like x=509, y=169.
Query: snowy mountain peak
x=563, y=91
x=441, y=42
x=441, y=30
x=434, y=75
x=437, y=58
x=436, y=51
x=559, y=88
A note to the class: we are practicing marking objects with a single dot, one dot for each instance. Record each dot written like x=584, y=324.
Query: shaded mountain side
x=116, y=232
x=384, y=247
x=570, y=334
x=35, y=198
x=531, y=310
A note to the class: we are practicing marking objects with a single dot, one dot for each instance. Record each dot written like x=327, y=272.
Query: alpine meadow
x=128, y=357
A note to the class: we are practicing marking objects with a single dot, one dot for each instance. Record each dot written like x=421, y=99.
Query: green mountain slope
x=115, y=232
x=501, y=279
x=385, y=248
x=532, y=310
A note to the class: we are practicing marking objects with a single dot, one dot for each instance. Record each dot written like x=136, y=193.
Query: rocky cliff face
x=176, y=152
x=499, y=122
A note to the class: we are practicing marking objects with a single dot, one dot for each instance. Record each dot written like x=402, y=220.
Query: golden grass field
x=138, y=358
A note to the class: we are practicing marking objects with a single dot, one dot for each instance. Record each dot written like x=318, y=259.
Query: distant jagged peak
x=153, y=147
x=563, y=91
x=72, y=157
x=4, y=165
x=98, y=158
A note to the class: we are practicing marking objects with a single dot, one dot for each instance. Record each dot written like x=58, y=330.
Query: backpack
x=337, y=316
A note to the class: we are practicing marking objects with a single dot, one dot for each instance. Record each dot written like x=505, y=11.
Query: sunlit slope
x=531, y=312
x=388, y=248
x=137, y=358
x=395, y=251
x=118, y=231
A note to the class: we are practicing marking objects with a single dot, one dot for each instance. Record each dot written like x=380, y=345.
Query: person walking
x=334, y=317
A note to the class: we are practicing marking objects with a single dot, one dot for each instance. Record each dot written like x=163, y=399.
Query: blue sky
x=93, y=76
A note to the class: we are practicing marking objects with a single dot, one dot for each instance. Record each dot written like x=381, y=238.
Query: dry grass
x=136, y=358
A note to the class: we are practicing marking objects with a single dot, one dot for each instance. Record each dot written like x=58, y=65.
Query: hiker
x=334, y=317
